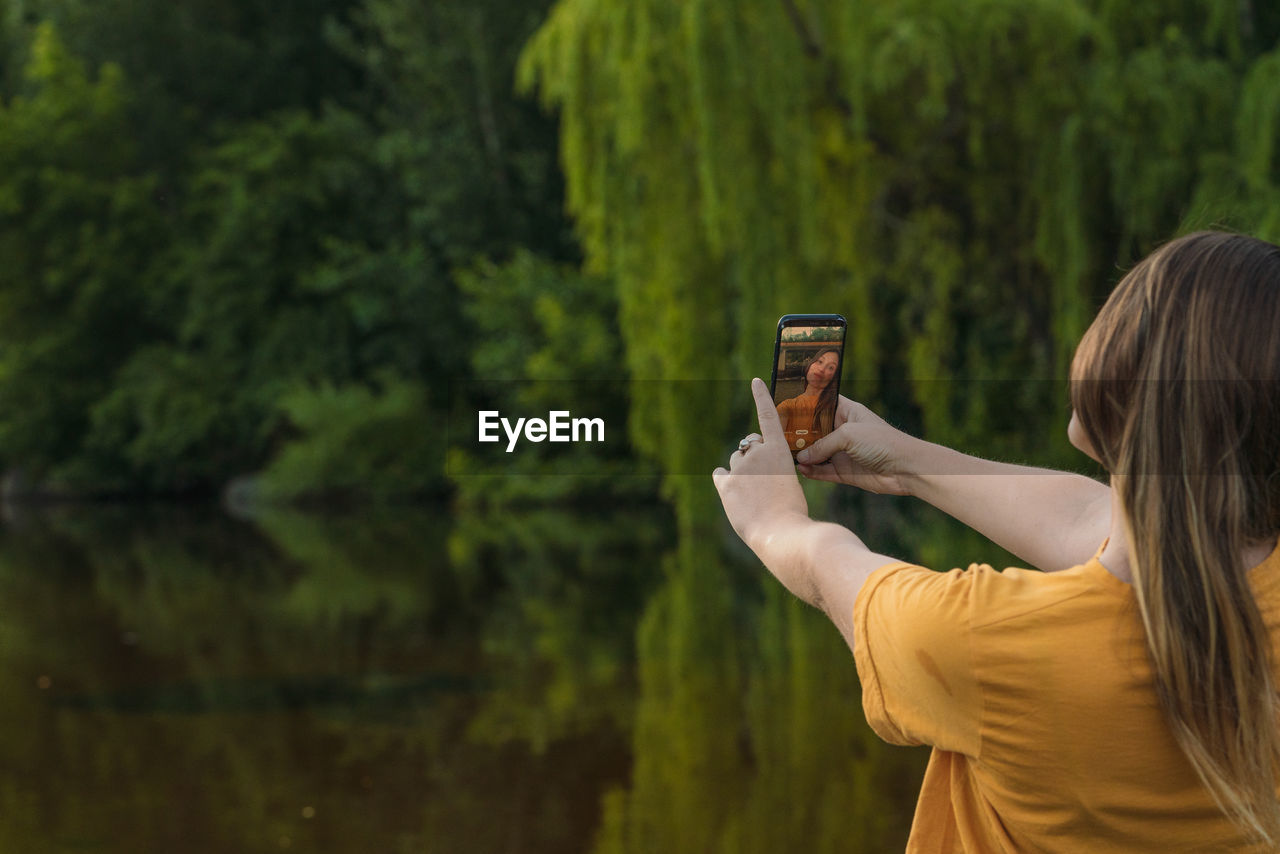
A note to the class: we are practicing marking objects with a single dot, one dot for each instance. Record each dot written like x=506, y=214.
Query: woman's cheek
x=1075, y=435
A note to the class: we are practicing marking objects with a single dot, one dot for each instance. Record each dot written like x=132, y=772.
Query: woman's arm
x=1050, y=519
x=822, y=563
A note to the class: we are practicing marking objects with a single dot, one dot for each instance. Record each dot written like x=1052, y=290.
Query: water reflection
x=406, y=681
x=750, y=737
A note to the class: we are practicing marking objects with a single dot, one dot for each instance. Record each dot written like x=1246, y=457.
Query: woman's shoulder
x=1016, y=594
x=998, y=595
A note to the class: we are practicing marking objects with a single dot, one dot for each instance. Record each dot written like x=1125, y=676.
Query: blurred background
x=256, y=258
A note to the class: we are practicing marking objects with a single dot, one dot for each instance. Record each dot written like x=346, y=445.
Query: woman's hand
x=822, y=563
x=863, y=451
x=1050, y=519
x=760, y=488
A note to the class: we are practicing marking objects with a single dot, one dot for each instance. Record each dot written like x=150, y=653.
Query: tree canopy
x=964, y=181
x=232, y=236
x=222, y=220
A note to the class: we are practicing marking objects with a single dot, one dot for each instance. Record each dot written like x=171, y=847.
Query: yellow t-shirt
x=799, y=414
x=1035, y=691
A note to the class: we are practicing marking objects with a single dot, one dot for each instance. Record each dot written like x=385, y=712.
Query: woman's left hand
x=760, y=486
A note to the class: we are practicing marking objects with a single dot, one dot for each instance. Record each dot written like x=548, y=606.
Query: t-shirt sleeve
x=914, y=656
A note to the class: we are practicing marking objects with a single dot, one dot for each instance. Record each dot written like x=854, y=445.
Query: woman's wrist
x=915, y=461
x=772, y=530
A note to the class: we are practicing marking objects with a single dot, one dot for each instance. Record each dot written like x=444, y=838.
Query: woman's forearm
x=1051, y=519
x=822, y=563
x=783, y=547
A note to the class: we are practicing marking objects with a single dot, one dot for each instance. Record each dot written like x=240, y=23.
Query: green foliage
x=357, y=442
x=202, y=66
x=77, y=228
x=300, y=278
x=254, y=215
x=478, y=162
x=960, y=180
x=546, y=338
x=169, y=423
x=543, y=322
x=269, y=200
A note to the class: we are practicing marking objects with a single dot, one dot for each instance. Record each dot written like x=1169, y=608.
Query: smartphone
x=808, y=355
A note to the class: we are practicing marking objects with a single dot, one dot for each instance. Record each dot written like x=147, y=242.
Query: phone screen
x=808, y=355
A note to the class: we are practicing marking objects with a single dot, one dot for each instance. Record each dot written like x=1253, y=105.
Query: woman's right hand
x=863, y=451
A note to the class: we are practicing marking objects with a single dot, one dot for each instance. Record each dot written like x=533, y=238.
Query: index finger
x=770, y=426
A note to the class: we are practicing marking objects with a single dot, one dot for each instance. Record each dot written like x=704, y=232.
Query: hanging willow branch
x=812, y=47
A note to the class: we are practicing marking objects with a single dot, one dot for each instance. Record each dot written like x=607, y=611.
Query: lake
x=423, y=680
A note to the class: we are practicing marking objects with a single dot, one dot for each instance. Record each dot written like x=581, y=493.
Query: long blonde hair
x=1176, y=385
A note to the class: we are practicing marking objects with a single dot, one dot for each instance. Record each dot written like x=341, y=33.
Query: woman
x=811, y=414
x=1124, y=699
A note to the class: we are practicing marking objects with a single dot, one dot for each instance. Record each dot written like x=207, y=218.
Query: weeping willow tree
x=964, y=181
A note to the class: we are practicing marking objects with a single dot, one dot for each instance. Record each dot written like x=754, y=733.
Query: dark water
x=422, y=681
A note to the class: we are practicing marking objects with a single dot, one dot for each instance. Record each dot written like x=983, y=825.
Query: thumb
x=825, y=448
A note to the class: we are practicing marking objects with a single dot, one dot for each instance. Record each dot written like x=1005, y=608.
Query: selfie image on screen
x=808, y=382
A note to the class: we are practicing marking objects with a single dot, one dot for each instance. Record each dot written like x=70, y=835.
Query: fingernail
x=802, y=457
